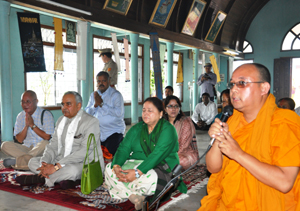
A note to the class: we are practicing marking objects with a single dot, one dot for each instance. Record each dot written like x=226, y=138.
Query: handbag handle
x=90, y=138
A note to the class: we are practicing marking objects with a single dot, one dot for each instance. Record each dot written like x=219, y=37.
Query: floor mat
x=98, y=199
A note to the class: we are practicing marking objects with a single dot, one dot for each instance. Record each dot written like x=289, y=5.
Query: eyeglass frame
x=172, y=107
x=242, y=84
x=28, y=102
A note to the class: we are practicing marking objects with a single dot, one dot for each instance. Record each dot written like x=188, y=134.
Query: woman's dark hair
x=156, y=102
x=225, y=91
x=167, y=101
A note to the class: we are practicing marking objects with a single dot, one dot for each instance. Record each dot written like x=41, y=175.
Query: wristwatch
x=56, y=167
x=102, y=104
x=137, y=175
x=33, y=126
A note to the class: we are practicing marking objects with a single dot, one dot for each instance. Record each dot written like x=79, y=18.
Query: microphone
x=227, y=112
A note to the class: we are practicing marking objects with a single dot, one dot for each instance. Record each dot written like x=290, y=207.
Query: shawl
x=70, y=133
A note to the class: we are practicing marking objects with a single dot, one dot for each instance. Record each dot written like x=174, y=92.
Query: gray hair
x=78, y=97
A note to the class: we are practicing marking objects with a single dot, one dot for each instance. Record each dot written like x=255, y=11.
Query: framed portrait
x=118, y=6
x=193, y=17
x=70, y=31
x=162, y=12
x=215, y=27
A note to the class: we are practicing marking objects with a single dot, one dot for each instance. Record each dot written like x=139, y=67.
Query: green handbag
x=91, y=177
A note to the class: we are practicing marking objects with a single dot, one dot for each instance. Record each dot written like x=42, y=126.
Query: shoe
x=8, y=162
x=68, y=184
x=30, y=179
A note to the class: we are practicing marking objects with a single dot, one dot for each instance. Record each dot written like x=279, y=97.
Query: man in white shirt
x=204, y=113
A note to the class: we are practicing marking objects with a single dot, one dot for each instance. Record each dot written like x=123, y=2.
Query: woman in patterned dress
x=188, y=151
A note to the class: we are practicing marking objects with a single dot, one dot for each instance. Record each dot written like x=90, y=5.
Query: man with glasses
x=33, y=130
x=204, y=113
x=62, y=161
x=255, y=157
x=107, y=105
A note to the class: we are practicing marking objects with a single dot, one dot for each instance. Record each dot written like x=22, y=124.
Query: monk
x=255, y=158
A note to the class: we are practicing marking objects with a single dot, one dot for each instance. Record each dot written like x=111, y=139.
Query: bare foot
x=137, y=201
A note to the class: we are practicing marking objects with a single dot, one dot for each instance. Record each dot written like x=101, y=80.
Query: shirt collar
x=104, y=93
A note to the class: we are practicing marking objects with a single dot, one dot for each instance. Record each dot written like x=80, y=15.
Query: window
x=122, y=86
x=247, y=47
x=51, y=85
x=164, y=72
x=291, y=40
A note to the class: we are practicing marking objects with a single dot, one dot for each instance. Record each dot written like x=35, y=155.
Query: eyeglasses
x=171, y=106
x=68, y=104
x=27, y=102
x=241, y=84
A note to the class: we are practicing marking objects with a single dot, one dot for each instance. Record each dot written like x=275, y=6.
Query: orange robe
x=273, y=138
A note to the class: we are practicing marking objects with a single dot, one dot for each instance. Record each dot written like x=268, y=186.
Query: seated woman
x=147, y=153
x=188, y=151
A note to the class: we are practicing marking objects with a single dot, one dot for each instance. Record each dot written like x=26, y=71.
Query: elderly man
x=33, y=129
x=110, y=66
x=64, y=156
x=107, y=105
x=207, y=81
x=255, y=158
x=204, y=113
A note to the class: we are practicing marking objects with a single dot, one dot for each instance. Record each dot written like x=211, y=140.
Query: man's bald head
x=30, y=93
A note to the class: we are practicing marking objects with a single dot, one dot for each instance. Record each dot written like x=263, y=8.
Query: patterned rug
x=98, y=199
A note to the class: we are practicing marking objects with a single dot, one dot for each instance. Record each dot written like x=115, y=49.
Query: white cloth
x=143, y=186
x=207, y=113
x=70, y=134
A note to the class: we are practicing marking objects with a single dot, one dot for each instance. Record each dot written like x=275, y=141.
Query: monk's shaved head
x=264, y=73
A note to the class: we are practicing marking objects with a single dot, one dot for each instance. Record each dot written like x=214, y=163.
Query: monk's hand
x=130, y=175
x=98, y=99
x=217, y=128
x=229, y=146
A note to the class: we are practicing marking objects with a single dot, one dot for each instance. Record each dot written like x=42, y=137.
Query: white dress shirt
x=207, y=112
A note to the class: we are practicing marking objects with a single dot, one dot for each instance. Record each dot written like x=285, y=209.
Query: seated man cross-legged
x=33, y=129
x=107, y=105
x=204, y=113
x=64, y=156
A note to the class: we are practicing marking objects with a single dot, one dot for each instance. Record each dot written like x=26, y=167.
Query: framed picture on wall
x=162, y=12
x=193, y=17
x=118, y=6
x=70, y=31
x=215, y=27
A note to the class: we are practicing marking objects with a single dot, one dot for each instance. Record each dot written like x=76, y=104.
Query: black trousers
x=201, y=128
x=112, y=142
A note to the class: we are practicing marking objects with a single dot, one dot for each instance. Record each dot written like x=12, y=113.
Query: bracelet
x=115, y=167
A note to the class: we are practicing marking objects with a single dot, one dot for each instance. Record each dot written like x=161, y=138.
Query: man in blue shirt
x=107, y=105
x=33, y=129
